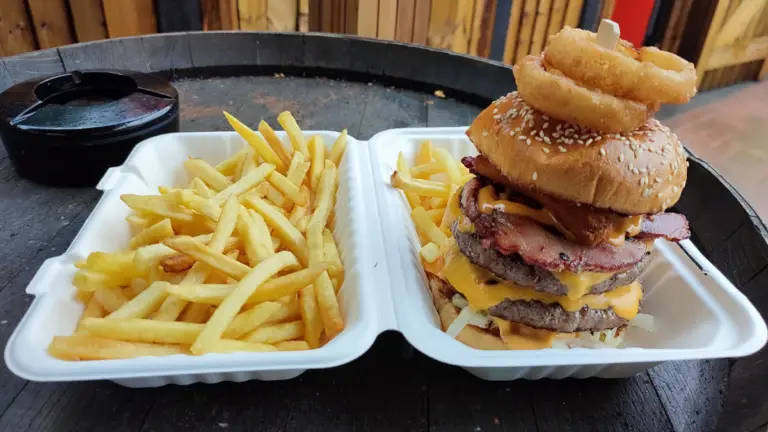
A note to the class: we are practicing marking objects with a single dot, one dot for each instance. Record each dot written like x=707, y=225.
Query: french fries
x=238, y=257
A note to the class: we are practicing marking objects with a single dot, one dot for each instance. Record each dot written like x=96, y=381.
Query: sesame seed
x=657, y=180
x=534, y=176
x=635, y=170
x=646, y=192
x=581, y=141
x=547, y=140
x=669, y=178
x=539, y=139
x=517, y=129
x=546, y=124
x=659, y=195
x=562, y=149
x=497, y=116
x=545, y=150
x=602, y=152
x=545, y=117
x=621, y=157
x=511, y=133
x=631, y=166
x=556, y=135
x=687, y=164
x=528, y=141
x=589, y=141
x=674, y=189
x=495, y=110
x=644, y=170
x=643, y=181
x=485, y=133
x=559, y=125
x=598, y=138
x=521, y=138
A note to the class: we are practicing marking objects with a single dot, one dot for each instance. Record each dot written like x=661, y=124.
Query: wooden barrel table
x=334, y=82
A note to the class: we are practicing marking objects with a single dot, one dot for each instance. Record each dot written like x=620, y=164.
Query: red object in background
x=632, y=17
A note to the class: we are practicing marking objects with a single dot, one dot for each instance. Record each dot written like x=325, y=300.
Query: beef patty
x=512, y=268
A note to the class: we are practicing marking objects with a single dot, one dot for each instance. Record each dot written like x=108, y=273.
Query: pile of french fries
x=241, y=259
x=431, y=188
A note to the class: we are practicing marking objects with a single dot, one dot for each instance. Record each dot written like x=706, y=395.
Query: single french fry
x=325, y=196
x=255, y=140
x=138, y=222
x=282, y=226
x=430, y=252
x=247, y=182
x=337, y=282
x=329, y=306
x=317, y=160
x=228, y=166
x=276, y=333
x=331, y=254
x=426, y=170
x=298, y=169
x=116, y=264
x=143, y=330
x=402, y=168
x=232, y=304
x=274, y=141
x=272, y=290
x=424, y=156
x=249, y=165
x=143, y=304
x=290, y=126
x=438, y=203
x=136, y=287
x=338, y=148
x=310, y=315
x=452, y=209
x=214, y=179
x=110, y=298
x=195, y=313
x=315, y=245
x=421, y=187
x=201, y=205
x=158, y=205
x=86, y=347
x=256, y=237
x=252, y=318
x=425, y=225
x=297, y=215
x=277, y=198
x=292, y=346
x=449, y=164
x=436, y=214
x=287, y=188
x=93, y=310
x=200, y=252
x=153, y=234
x=226, y=346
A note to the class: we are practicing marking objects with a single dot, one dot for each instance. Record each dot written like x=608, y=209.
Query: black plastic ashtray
x=67, y=130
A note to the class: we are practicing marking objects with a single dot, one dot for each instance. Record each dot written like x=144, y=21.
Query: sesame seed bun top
x=638, y=172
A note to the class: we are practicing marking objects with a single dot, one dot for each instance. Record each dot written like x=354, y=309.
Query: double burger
x=555, y=228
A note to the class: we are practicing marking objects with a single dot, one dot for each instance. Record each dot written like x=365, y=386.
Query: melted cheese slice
x=521, y=337
x=471, y=281
x=579, y=284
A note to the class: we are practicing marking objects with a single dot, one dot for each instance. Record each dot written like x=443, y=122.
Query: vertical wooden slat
x=303, y=21
x=573, y=13
x=282, y=15
x=130, y=18
x=682, y=21
x=608, y=7
x=351, y=19
x=387, y=19
x=441, y=20
x=556, y=16
x=368, y=18
x=672, y=26
x=709, y=41
x=540, y=27
x=315, y=15
x=714, y=77
x=51, y=22
x=405, y=12
x=326, y=16
x=211, y=15
x=252, y=14
x=342, y=16
x=333, y=11
x=228, y=15
x=88, y=20
x=482, y=27
x=462, y=27
x=421, y=21
x=526, y=29
x=513, y=30
x=15, y=28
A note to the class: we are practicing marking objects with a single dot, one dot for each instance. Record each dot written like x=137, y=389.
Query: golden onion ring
x=552, y=92
x=647, y=74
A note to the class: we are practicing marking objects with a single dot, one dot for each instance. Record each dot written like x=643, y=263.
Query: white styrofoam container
x=699, y=313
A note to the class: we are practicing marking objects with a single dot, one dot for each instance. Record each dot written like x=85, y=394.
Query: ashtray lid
x=87, y=104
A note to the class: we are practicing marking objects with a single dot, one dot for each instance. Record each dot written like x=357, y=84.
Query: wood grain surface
x=392, y=386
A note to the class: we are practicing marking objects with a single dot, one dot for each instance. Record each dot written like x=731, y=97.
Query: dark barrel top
x=334, y=82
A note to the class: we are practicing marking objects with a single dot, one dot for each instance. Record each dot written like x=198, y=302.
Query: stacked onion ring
x=610, y=90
